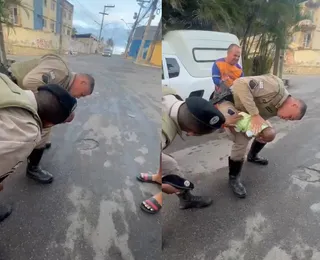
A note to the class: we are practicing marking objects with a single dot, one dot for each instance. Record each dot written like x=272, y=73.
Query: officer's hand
x=233, y=120
x=70, y=118
x=256, y=123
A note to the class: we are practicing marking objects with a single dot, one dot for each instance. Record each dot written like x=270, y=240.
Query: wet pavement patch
x=87, y=144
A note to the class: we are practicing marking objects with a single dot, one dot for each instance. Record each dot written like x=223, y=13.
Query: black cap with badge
x=67, y=102
x=206, y=114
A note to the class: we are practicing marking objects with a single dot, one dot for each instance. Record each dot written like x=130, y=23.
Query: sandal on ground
x=150, y=206
x=146, y=177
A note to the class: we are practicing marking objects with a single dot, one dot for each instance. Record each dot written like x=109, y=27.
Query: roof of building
x=68, y=3
x=85, y=35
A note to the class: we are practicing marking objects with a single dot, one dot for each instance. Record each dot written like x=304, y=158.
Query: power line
x=103, y=15
x=88, y=12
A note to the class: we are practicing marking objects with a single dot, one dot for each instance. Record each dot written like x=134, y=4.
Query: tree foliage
x=263, y=26
x=110, y=42
x=6, y=10
x=6, y=18
x=74, y=31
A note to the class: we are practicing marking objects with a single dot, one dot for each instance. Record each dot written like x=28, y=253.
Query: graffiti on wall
x=43, y=43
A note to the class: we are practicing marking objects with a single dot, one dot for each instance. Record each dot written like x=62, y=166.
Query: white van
x=187, y=59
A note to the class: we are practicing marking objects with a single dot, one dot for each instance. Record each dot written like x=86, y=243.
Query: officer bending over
x=195, y=116
x=23, y=115
x=262, y=97
x=49, y=69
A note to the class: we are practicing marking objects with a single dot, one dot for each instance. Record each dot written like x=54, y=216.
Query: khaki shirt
x=259, y=95
x=51, y=69
x=171, y=105
x=19, y=134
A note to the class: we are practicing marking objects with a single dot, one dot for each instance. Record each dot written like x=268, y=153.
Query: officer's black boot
x=253, y=156
x=234, y=178
x=48, y=145
x=187, y=200
x=34, y=171
x=5, y=211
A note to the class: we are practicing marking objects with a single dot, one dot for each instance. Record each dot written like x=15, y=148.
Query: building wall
x=67, y=18
x=26, y=17
x=38, y=13
x=139, y=32
x=90, y=45
x=156, y=58
x=24, y=41
x=59, y=9
x=134, y=48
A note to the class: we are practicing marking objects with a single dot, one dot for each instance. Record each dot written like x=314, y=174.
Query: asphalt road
x=91, y=211
x=279, y=219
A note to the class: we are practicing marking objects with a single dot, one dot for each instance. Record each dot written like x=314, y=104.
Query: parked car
x=107, y=53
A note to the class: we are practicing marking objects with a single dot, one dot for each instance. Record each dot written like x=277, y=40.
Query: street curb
x=146, y=65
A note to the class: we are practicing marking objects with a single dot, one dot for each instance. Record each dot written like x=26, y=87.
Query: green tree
x=260, y=24
x=74, y=31
x=110, y=43
x=6, y=11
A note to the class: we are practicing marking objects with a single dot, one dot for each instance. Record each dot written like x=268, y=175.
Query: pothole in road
x=87, y=144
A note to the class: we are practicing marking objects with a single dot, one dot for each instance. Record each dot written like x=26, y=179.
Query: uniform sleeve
x=19, y=135
x=216, y=75
x=54, y=73
x=241, y=89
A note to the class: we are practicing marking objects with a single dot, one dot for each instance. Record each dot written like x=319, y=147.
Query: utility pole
x=155, y=39
x=61, y=29
x=136, y=17
x=103, y=14
x=140, y=53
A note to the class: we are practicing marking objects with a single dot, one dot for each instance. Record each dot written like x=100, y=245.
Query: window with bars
x=53, y=5
x=52, y=26
x=14, y=16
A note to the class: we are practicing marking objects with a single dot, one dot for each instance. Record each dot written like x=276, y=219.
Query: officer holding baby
x=257, y=99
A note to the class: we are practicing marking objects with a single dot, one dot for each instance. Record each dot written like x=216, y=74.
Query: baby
x=243, y=125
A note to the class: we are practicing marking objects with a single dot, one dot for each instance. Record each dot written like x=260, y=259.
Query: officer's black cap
x=67, y=102
x=205, y=113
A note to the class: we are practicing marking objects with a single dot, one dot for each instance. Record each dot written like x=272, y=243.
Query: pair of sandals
x=151, y=205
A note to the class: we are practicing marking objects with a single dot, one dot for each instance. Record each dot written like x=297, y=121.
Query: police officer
x=262, y=97
x=23, y=114
x=31, y=74
x=195, y=116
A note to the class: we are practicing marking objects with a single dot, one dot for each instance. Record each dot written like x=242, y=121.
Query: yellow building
x=67, y=18
x=308, y=36
x=46, y=15
x=23, y=16
x=37, y=27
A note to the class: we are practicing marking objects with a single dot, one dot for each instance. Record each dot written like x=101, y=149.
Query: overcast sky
x=86, y=13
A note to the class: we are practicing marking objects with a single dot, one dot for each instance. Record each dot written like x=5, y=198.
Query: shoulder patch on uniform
x=253, y=84
x=214, y=120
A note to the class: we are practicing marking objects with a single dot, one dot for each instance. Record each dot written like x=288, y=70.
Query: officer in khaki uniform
x=262, y=97
x=23, y=114
x=195, y=116
x=50, y=68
